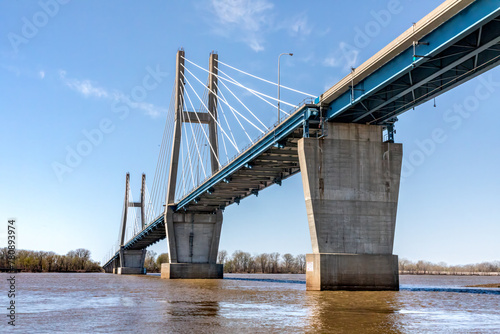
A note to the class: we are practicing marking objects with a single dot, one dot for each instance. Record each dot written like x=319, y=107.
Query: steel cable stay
x=192, y=131
x=254, y=92
x=166, y=164
x=206, y=108
x=223, y=139
x=203, y=130
x=262, y=79
x=148, y=206
x=222, y=78
x=189, y=155
x=237, y=119
x=215, y=120
x=251, y=75
x=136, y=215
x=161, y=161
x=158, y=184
x=225, y=101
x=233, y=81
x=195, y=134
x=236, y=97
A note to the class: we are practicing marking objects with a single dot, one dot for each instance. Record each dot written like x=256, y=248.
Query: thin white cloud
x=300, y=27
x=249, y=21
x=331, y=61
x=245, y=20
x=350, y=54
x=88, y=89
x=41, y=74
x=346, y=56
x=85, y=87
x=12, y=69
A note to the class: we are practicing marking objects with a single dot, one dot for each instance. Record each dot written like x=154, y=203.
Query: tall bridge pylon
x=193, y=237
x=131, y=261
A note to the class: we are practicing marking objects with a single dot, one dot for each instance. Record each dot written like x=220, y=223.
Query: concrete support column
x=131, y=262
x=351, y=186
x=193, y=240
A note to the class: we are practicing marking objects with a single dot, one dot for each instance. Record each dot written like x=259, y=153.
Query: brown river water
x=106, y=303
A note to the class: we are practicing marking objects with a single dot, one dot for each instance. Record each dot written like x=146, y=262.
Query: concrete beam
x=196, y=117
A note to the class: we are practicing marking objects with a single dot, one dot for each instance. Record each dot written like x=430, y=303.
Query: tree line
x=242, y=262
x=425, y=267
x=39, y=261
x=79, y=260
x=272, y=263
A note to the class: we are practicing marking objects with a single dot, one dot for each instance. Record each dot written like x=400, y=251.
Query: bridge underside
x=271, y=167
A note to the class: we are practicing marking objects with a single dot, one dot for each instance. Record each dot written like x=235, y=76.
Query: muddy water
x=105, y=303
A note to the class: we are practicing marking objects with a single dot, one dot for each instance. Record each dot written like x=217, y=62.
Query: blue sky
x=67, y=66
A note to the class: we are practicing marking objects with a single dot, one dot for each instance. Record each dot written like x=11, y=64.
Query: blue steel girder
x=458, y=50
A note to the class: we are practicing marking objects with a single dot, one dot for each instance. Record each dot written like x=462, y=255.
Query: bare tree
x=274, y=259
x=150, y=262
x=289, y=262
x=221, y=256
x=301, y=263
x=262, y=261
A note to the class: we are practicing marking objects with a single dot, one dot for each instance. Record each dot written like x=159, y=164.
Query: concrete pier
x=193, y=240
x=131, y=262
x=351, y=186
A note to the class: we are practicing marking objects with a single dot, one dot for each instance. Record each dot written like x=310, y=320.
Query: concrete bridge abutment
x=351, y=186
x=193, y=240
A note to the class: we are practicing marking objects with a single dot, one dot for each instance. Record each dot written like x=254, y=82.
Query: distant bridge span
x=456, y=42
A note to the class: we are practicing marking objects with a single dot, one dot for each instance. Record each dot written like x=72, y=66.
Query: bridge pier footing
x=193, y=240
x=191, y=270
x=351, y=186
x=131, y=262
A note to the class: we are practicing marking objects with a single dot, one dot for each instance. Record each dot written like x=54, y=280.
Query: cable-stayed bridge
x=225, y=140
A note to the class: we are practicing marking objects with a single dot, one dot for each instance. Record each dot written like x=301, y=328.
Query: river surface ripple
x=106, y=303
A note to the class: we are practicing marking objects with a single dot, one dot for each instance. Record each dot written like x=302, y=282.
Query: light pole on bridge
x=279, y=110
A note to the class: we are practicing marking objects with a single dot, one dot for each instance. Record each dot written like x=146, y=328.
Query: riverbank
x=494, y=285
x=450, y=273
